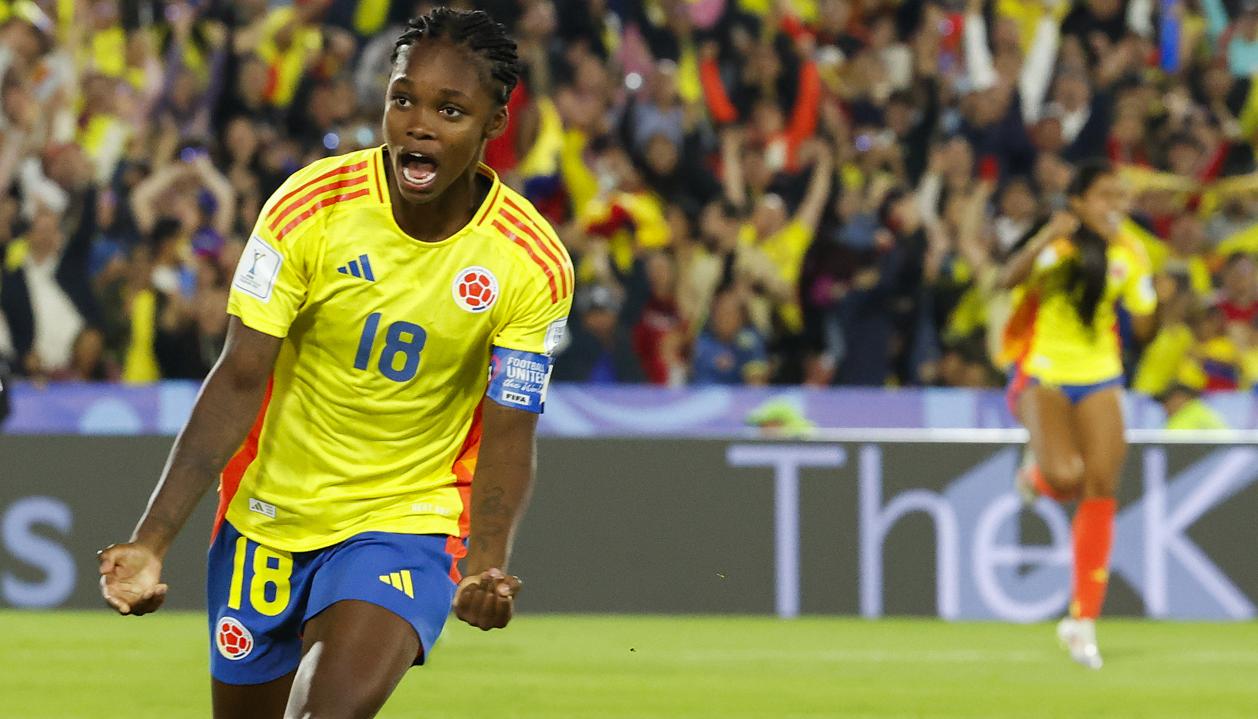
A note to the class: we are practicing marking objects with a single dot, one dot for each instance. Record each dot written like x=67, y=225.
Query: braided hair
x=475, y=31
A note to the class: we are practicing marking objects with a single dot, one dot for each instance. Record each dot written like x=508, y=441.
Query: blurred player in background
x=1068, y=377
x=376, y=294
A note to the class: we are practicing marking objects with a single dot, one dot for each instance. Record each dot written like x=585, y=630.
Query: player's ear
x=497, y=124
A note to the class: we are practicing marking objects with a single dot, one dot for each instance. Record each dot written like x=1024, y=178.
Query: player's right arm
x=266, y=293
x=224, y=412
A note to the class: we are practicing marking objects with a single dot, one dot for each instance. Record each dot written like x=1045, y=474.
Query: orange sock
x=1044, y=489
x=1093, y=537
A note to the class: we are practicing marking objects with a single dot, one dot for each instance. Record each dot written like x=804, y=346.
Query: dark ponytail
x=1089, y=273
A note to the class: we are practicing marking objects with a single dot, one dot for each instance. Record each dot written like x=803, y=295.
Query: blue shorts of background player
x=261, y=598
x=1020, y=380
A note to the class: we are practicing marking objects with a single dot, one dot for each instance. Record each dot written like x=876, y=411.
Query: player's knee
x=1065, y=473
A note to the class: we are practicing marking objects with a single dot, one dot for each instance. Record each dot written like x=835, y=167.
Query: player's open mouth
x=418, y=172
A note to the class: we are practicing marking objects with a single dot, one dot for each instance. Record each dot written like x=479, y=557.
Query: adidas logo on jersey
x=360, y=268
x=400, y=581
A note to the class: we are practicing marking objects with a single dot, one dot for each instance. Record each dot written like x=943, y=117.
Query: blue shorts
x=261, y=598
x=1019, y=380
x=1076, y=393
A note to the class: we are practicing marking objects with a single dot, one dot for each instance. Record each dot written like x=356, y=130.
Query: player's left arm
x=500, y=493
x=537, y=315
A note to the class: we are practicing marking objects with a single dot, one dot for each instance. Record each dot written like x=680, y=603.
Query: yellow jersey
x=1062, y=350
x=1163, y=360
x=371, y=420
x=786, y=249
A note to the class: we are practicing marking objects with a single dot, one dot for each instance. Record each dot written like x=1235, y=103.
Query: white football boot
x=1078, y=636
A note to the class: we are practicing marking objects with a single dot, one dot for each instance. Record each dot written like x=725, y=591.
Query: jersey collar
x=480, y=217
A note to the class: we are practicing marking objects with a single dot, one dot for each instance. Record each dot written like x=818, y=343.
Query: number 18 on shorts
x=260, y=598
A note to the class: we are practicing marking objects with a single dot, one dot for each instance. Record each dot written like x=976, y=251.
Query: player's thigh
x=1046, y=414
x=354, y=654
x=251, y=701
x=1099, y=423
x=376, y=606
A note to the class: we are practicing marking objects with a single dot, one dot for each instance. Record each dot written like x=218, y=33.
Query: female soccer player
x=1067, y=388
x=377, y=289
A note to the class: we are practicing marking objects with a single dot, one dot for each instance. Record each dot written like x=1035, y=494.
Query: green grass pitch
x=90, y=664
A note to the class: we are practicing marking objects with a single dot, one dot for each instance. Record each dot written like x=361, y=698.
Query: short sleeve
x=1049, y=257
x=537, y=322
x=1050, y=260
x=271, y=280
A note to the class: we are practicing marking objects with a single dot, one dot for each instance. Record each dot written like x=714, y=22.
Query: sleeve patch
x=555, y=335
x=519, y=379
x=1047, y=258
x=258, y=270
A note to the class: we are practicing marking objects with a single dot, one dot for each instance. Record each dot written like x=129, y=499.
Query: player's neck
x=445, y=215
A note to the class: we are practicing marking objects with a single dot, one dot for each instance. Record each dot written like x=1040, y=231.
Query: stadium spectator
x=878, y=312
x=660, y=332
x=600, y=349
x=730, y=351
x=45, y=290
x=1238, y=296
x=1185, y=409
x=662, y=133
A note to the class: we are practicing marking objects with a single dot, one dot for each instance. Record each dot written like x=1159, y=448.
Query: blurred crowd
x=753, y=191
